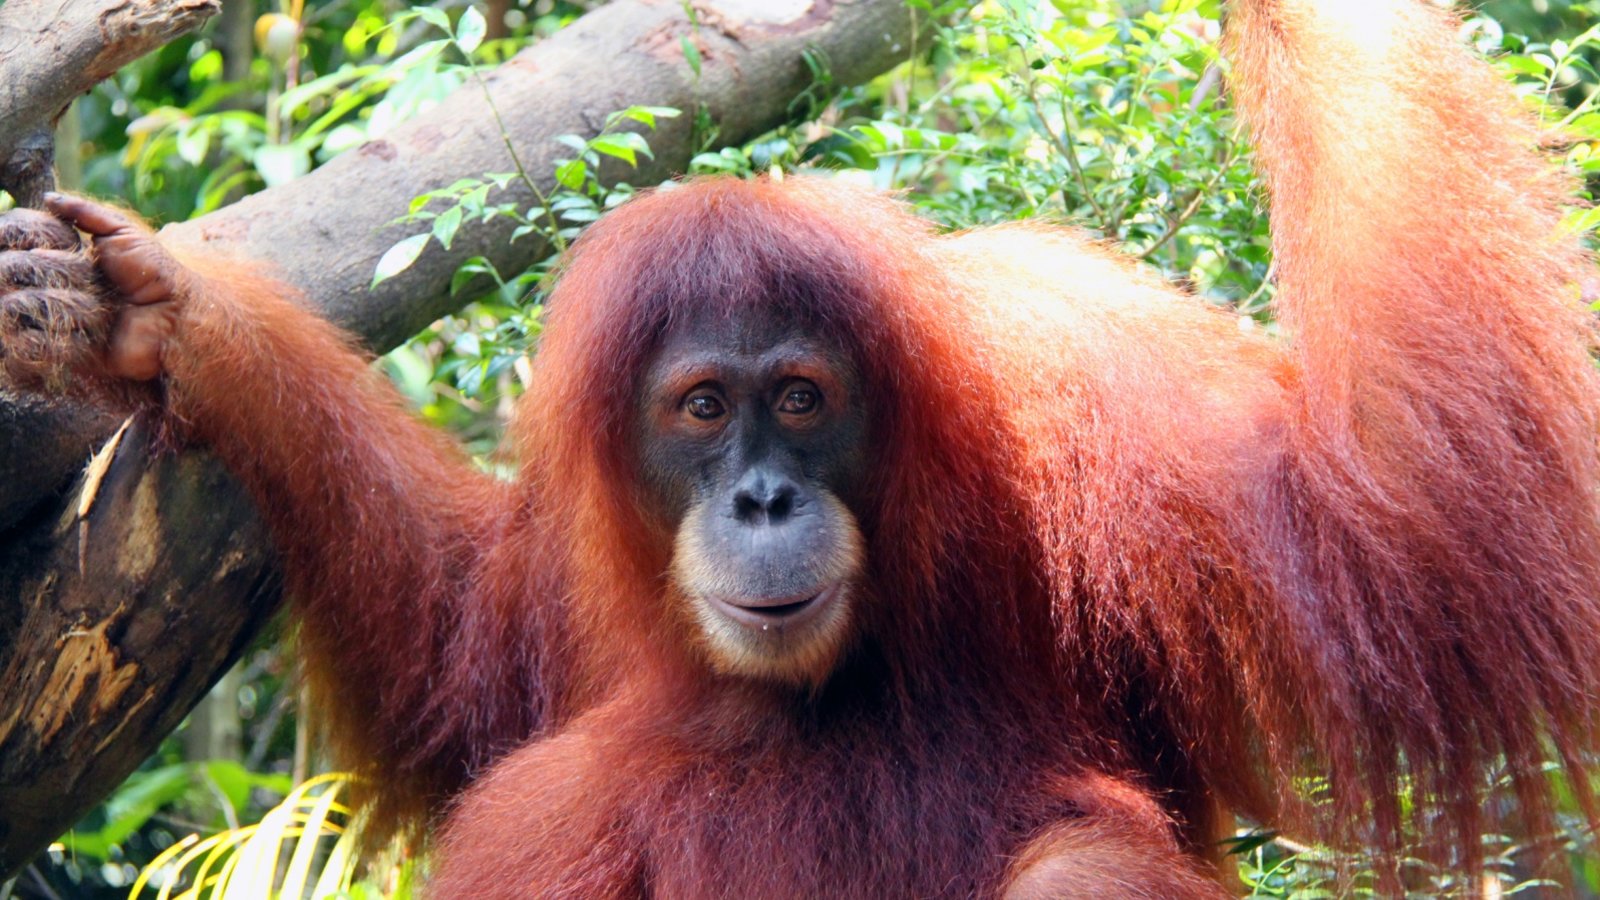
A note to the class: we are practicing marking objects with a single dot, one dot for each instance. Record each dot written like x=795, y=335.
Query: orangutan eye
x=704, y=406
x=800, y=400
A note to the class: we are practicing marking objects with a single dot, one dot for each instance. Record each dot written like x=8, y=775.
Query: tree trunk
x=52, y=51
x=124, y=606
x=128, y=612
x=236, y=38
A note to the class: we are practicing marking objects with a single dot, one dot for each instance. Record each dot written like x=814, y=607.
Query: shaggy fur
x=1127, y=564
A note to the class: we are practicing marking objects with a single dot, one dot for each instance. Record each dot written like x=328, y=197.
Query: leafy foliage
x=303, y=847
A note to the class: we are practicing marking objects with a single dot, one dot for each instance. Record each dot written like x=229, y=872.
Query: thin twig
x=40, y=882
x=267, y=730
x=1247, y=303
x=1196, y=197
x=1063, y=145
x=516, y=160
x=1209, y=79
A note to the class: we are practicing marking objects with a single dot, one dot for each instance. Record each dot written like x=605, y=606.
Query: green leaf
x=444, y=227
x=435, y=17
x=419, y=53
x=281, y=163
x=690, y=53
x=155, y=120
x=1523, y=65
x=571, y=201
x=1582, y=221
x=232, y=782
x=624, y=145
x=341, y=138
x=469, y=380
x=194, y=144
x=1588, y=124
x=411, y=371
x=469, y=270
x=572, y=173
x=207, y=67
x=399, y=258
x=139, y=798
x=644, y=115
x=471, y=30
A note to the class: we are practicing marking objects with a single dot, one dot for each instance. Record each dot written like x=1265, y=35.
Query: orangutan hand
x=106, y=311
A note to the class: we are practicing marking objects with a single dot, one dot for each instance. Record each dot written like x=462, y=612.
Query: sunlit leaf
x=399, y=258
x=471, y=30
x=444, y=227
x=625, y=145
x=691, y=53
x=572, y=173
x=281, y=163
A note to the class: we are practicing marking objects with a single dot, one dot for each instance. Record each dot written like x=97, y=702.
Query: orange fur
x=1125, y=561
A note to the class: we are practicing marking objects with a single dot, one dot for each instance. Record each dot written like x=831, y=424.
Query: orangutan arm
x=1369, y=555
x=380, y=522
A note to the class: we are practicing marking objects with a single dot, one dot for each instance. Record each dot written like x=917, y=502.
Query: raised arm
x=1366, y=553
x=1431, y=544
x=381, y=523
x=1442, y=421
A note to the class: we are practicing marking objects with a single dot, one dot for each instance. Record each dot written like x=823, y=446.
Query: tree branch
x=52, y=51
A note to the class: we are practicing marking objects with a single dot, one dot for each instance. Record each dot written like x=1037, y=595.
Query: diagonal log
x=158, y=552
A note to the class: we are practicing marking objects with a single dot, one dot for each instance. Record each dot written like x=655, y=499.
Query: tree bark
x=52, y=51
x=325, y=233
x=236, y=38
x=129, y=612
x=128, y=604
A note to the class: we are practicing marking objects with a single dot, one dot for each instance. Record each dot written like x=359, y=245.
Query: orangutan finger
x=46, y=269
x=90, y=217
x=137, y=339
x=30, y=229
x=141, y=270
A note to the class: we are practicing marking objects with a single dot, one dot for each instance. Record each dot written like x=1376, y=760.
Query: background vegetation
x=1110, y=115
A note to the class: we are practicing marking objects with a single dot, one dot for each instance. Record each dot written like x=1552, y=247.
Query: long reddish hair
x=1367, y=553
x=947, y=548
x=1211, y=564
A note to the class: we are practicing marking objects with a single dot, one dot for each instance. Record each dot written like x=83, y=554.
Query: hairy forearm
x=337, y=463
x=380, y=523
x=1412, y=508
x=379, y=520
x=1422, y=270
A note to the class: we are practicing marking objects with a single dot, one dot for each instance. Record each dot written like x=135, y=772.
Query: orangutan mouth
x=766, y=613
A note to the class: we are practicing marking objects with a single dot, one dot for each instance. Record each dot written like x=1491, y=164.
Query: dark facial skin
x=752, y=443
